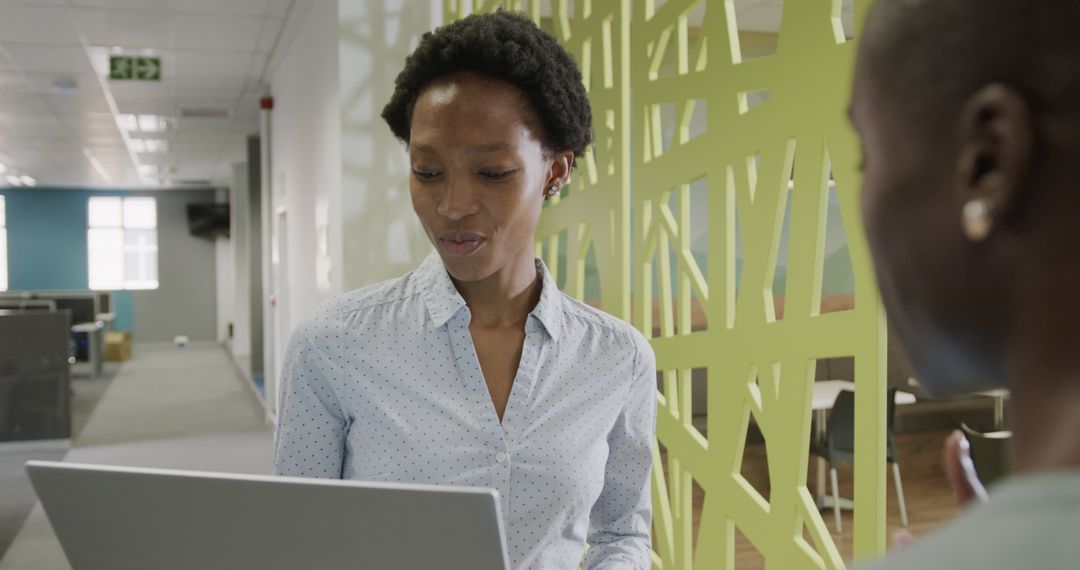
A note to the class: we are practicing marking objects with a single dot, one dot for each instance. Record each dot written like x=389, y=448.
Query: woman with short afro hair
x=475, y=369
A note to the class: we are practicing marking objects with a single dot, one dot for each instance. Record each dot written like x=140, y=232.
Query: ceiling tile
x=105, y=142
x=232, y=65
x=129, y=4
x=19, y=120
x=23, y=104
x=129, y=29
x=52, y=145
x=36, y=2
x=146, y=106
x=96, y=131
x=86, y=84
x=217, y=32
x=87, y=119
x=77, y=103
x=37, y=24
x=13, y=82
x=232, y=7
x=258, y=65
x=5, y=63
x=268, y=35
x=50, y=58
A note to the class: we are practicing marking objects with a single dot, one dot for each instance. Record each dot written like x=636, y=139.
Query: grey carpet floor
x=169, y=408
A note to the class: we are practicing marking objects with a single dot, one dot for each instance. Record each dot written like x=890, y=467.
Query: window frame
x=121, y=278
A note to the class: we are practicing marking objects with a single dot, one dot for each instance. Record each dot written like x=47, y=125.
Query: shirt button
x=500, y=457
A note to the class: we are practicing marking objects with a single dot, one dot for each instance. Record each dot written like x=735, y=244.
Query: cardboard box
x=117, y=346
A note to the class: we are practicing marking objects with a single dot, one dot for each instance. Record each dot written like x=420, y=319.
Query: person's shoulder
x=391, y=291
x=332, y=312
x=1002, y=534
x=605, y=323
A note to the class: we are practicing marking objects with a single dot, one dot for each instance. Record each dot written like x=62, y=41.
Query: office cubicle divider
x=35, y=384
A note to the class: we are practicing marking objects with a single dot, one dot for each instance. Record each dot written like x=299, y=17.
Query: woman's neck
x=505, y=298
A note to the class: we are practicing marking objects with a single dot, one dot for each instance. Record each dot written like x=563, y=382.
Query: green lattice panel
x=750, y=161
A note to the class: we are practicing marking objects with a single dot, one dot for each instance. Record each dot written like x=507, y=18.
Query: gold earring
x=976, y=220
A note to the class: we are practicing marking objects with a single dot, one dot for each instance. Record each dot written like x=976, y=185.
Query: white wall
x=226, y=279
x=242, y=250
x=337, y=176
x=305, y=175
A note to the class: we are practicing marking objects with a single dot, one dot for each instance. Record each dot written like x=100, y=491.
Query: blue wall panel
x=47, y=247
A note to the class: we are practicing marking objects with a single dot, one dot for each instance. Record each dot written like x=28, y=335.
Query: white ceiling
x=213, y=55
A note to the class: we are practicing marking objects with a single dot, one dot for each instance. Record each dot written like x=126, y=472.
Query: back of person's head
x=969, y=113
x=509, y=47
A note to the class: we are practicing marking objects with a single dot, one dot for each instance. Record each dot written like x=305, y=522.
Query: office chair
x=839, y=447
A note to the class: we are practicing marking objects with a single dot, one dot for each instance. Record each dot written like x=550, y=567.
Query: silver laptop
x=118, y=517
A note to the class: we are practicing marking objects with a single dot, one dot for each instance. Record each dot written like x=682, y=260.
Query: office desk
x=95, y=348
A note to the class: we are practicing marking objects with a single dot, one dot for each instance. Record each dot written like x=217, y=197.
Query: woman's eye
x=424, y=174
x=496, y=175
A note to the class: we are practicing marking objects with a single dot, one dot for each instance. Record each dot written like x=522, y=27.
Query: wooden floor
x=929, y=498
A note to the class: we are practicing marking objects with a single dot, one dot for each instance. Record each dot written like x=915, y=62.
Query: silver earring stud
x=553, y=191
x=976, y=220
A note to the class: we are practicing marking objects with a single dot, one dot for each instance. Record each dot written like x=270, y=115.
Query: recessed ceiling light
x=137, y=145
x=14, y=180
x=157, y=145
x=128, y=122
x=151, y=123
x=28, y=180
x=147, y=170
x=3, y=168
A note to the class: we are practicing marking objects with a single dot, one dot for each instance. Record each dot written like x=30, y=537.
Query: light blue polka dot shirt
x=383, y=384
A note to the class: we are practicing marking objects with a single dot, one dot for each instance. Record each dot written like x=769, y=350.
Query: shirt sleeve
x=311, y=426
x=621, y=518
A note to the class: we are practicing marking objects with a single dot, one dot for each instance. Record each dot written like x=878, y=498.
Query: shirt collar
x=549, y=309
x=443, y=300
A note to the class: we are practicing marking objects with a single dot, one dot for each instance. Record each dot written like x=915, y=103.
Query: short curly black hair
x=507, y=46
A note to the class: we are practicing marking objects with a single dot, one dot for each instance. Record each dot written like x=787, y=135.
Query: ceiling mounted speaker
x=65, y=86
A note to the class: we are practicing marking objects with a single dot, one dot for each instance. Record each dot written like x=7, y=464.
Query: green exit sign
x=123, y=67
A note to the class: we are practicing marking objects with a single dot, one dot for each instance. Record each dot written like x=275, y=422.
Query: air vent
x=192, y=182
x=202, y=113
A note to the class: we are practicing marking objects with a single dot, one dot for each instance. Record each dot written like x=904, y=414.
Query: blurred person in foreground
x=969, y=115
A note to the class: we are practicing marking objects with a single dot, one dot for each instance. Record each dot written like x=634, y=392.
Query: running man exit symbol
x=123, y=67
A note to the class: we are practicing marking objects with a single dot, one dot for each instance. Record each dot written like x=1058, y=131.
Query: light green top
x=1030, y=522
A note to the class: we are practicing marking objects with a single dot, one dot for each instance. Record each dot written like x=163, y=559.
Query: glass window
x=105, y=212
x=122, y=243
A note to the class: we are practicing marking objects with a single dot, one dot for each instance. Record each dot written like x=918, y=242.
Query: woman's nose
x=456, y=202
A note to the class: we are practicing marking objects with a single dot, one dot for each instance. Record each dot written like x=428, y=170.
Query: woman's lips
x=462, y=245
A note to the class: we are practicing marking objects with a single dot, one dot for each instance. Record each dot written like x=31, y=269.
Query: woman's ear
x=562, y=167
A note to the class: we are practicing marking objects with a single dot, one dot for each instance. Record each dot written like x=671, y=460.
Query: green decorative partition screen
x=674, y=222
